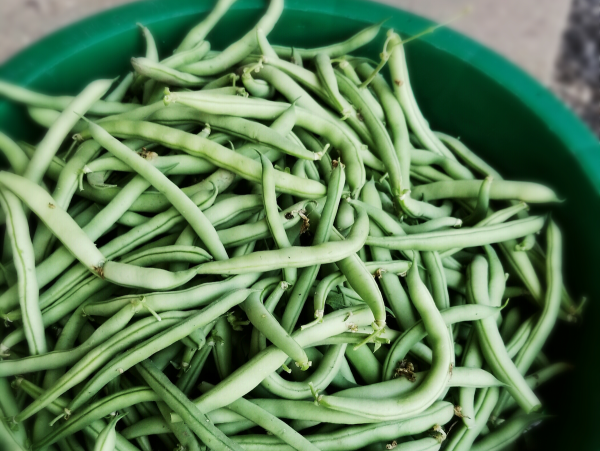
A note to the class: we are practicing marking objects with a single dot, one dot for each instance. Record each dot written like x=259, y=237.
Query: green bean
x=18, y=231
x=257, y=88
x=417, y=209
x=96, y=411
x=243, y=128
x=46, y=118
x=432, y=225
x=472, y=358
x=119, y=91
x=381, y=139
x=465, y=154
x=154, y=344
x=17, y=159
x=463, y=438
x=267, y=421
x=360, y=39
x=9, y=408
x=56, y=219
x=264, y=363
x=361, y=281
x=148, y=426
x=483, y=203
x=263, y=44
x=165, y=74
x=92, y=430
x=467, y=237
x=214, y=153
x=223, y=348
x=325, y=125
x=490, y=341
x=181, y=164
x=182, y=203
x=49, y=145
x=99, y=355
x=365, y=364
x=327, y=369
x=91, y=285
x=508, y=431
x=540, y=332
x=305, y=410
x=126, y=275
x=239, y=50
x=263, y=321
x=176, y=400
x=404, y=94
x=97, y=107
x=272, y=216
x=356, y=437
x=151, y=50
x=417, y=332
x=436, y=380
x=258, y=340
x=63, y=358
x=497, y=277
x=552, y=301
x=189, y=379
x=182, y=432
x=327, y=77
x=346, y=68
x=452, y=167
x=51, y=267
x=200, y=31
x=293, y=257
x=180, y=300
x=107, y=439
x=499, y=190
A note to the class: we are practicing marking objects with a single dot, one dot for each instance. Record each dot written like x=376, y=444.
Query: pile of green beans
x=267, y=248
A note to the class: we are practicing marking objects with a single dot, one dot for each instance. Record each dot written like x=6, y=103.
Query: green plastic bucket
x=463, y=88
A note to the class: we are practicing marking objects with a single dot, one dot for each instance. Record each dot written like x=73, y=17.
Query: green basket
x=463, y=88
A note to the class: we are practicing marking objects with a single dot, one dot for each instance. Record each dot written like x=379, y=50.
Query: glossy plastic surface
x=463, y=89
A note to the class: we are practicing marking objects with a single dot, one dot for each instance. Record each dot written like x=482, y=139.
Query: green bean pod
x=293, y=257
x=499, y=190
x=176, y=400
x=107, y=439
x=253, y=372
x=491, y=343
x=23, y=256
x=321, y=378
x=421, y=398
x=356, y=41
x=182, y=203
x=356, y=437
x=156, y=343
x=467, y=237
x=95, y=411
x=239, y=50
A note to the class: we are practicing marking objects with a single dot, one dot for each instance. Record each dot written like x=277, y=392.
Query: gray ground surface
x=577, y=75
